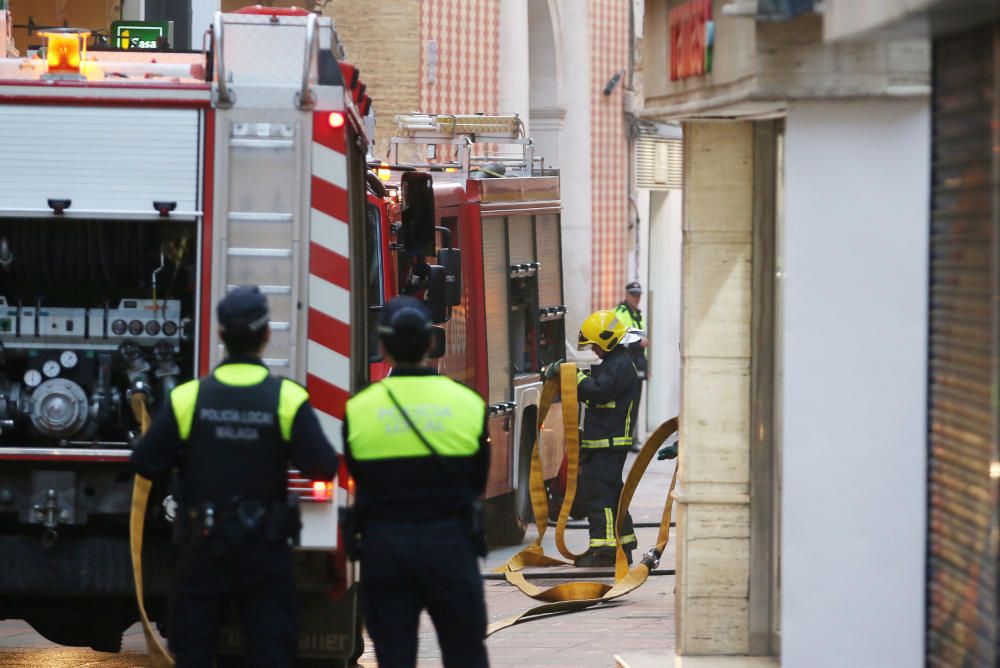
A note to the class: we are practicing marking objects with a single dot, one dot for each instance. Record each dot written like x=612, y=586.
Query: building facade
x=550, y=61
x=802, y=482
x=962, y=439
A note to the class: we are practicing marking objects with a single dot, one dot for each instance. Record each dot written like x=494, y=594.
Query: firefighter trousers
x=255, y=580
x=407, y=567
x=600, y=486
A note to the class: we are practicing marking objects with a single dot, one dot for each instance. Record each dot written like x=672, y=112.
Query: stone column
x=514, y=79
x=575, y=171
x=712, y=496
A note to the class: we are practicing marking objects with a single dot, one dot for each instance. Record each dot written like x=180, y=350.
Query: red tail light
x=322, y=490
x=336, y=119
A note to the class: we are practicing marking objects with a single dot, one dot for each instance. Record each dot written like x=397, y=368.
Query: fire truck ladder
x=464, y=132
x=258, y=232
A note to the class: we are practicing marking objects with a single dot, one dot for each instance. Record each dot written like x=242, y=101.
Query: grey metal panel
x=963, y=430
x=102, y=158
x=496, y=269
x=521, y=237
x=550, y=292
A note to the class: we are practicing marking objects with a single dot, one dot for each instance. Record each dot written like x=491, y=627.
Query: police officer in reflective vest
x=630, y=314
x=416, y=444
x=231, y=435
x=610, y=394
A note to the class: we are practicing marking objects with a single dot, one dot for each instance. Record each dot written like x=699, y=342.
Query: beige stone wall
x=383, y=40
x=713, y=522
x=757, y=65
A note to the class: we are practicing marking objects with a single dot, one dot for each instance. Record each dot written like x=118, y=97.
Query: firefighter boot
x=596, y=556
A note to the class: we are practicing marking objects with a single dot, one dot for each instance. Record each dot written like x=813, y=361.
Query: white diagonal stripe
x=328, y=365
x=329, y=232
x=329, y=165
x=330, y=299
x=333, y=428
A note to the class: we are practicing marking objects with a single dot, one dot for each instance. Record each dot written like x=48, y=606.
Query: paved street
x=640, y=625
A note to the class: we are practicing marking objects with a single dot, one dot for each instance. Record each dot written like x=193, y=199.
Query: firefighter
x=610, y=394
x=628, y=312
x=231, y=434
x=416, y=444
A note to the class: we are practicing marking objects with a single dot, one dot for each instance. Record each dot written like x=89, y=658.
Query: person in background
x=630, y=314
x=610, y=393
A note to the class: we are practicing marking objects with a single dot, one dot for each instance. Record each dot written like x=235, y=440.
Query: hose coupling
x=651, y=559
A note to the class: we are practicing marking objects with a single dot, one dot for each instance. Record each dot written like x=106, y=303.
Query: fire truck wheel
x=97, y=636
x=507, y=516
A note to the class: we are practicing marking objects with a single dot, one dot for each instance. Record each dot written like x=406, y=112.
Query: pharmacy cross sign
x=692, y=34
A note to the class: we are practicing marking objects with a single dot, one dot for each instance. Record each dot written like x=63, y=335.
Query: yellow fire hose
x=571, y=596
x=137, y=521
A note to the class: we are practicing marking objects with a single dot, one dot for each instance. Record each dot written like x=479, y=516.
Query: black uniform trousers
x=600, y=487
x=407, y=567
x=254, y=578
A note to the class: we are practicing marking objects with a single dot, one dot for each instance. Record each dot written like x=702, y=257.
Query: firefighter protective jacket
x=397, y=477
x=611, y=395
x=232, y=434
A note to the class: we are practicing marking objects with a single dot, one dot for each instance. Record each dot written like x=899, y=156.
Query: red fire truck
x=496, y=232
x=136, y=188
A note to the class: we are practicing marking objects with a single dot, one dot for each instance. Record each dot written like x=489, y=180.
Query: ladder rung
x=259, y=252
x=266, y=289
x=262, y=143
x=260, y=216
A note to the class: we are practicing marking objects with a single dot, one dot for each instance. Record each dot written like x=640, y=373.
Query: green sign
x=143, y=35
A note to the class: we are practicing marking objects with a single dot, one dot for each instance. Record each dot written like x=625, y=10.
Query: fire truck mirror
x=451, y=260
x=418, y=214
x=437, y=348
x=437, y=294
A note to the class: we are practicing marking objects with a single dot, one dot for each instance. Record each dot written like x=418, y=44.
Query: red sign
x=691, y=33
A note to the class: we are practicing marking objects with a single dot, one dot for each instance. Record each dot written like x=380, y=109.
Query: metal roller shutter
x=496, y=273
x=962, y=514
x=113, y=161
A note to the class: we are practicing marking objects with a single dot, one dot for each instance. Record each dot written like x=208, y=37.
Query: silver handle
x=225, y=98
x=305, y=99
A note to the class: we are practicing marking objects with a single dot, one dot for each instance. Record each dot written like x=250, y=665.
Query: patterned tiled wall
x=467, y=33
x=609, y=150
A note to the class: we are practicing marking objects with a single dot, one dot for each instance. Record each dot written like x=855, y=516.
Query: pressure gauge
x=32, y=378
x=51, y=369
x=68, y=359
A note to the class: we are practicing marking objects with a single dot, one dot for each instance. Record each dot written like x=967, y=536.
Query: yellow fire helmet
x=603, y=329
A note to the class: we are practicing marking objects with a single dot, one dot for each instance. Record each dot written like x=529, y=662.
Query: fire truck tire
x=99, y=636
x=508, y=515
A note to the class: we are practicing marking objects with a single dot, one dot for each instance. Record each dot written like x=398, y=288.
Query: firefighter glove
x=552, y=370
x=668, y=452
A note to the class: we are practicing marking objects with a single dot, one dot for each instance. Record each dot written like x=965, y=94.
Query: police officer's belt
x=239, y=521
